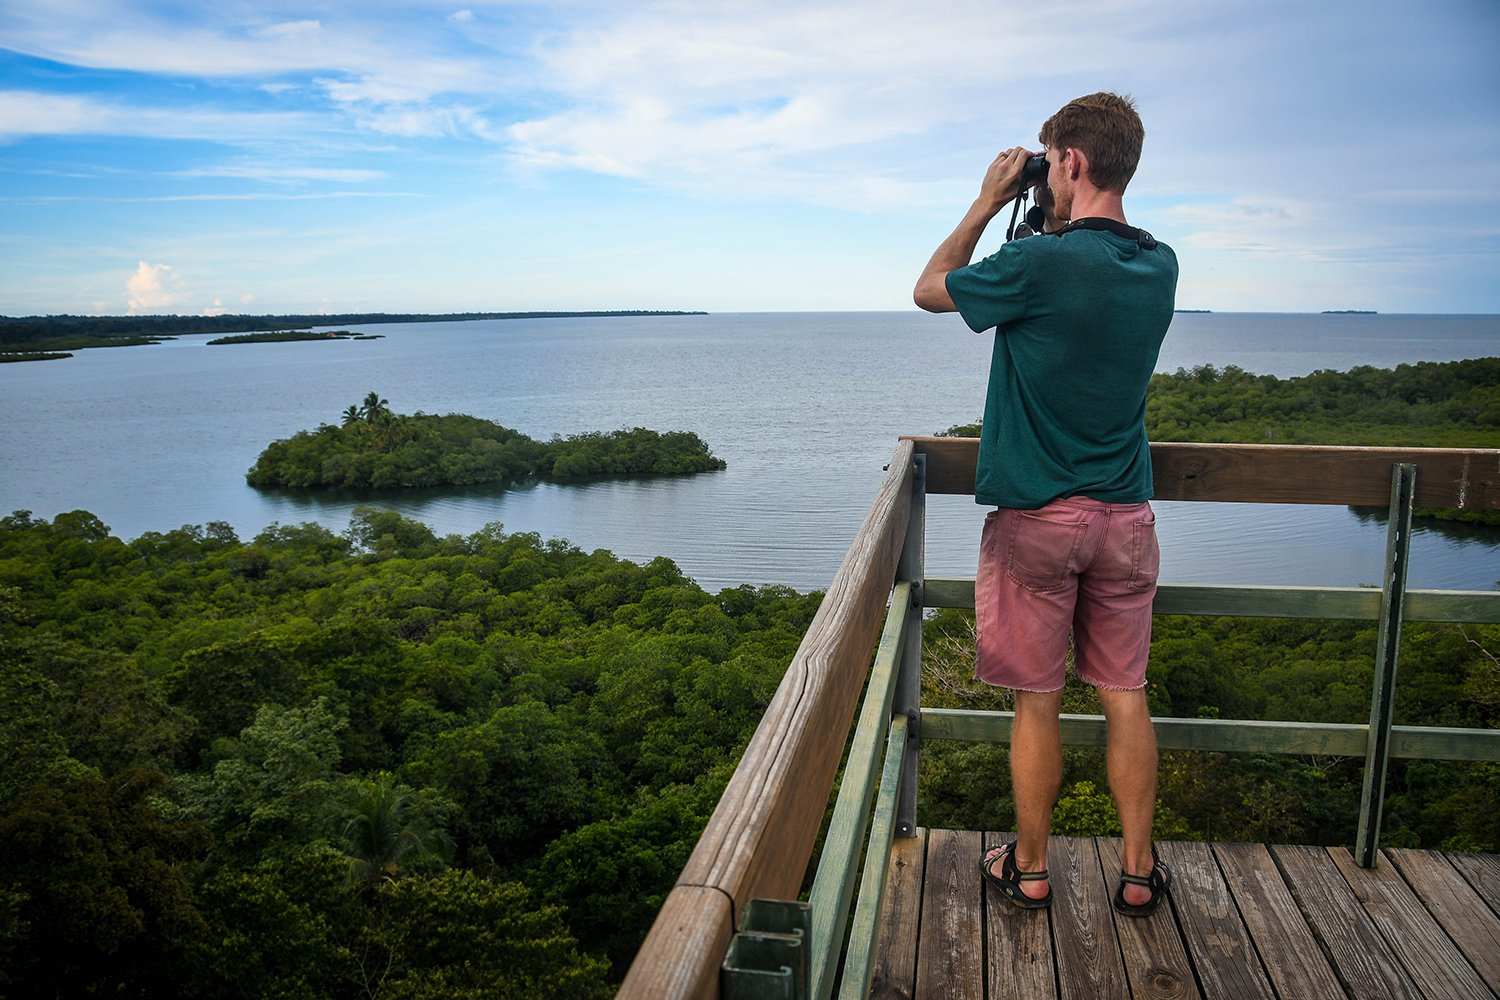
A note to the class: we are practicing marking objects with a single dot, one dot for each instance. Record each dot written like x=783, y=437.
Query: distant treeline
x=29, y=329
x=376, y=448
x=1431, y=404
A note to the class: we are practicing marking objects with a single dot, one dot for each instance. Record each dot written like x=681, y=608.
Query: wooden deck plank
x=1482, y=872
x=1452, y=901
x=1018, y=944
x=950, y=963
x=1216, y=938
x=1244, y=922
x=1431, y=958
x=1212, y=928
x=895, y=974
x=1365, y=965
x=1090, y=967
x=1288, y=950
x=1156, y=963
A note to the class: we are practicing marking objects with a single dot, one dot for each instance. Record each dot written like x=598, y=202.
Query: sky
x=776, y=155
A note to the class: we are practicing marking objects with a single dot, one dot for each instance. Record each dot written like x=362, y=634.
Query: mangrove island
x=373, y=447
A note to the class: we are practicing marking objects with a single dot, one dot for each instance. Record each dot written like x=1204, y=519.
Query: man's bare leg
x=1131, y=757
x=1036, y=775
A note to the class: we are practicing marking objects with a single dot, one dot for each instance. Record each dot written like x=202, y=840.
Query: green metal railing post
x=838, y=864
x=1387, y=652
x=912, y=568
x=859, y=964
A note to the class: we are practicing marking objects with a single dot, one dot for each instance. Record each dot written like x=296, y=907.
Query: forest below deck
x=389, y=763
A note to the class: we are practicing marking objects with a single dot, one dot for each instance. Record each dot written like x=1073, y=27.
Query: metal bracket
x=767, y=959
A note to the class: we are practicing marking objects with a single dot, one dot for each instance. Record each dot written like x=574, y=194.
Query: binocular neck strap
x=1010, y=232
x=1142, y=238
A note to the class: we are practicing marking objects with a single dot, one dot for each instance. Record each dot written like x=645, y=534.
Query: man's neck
x=1091, y=203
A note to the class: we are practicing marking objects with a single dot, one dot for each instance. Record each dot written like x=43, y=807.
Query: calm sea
x=805, y=408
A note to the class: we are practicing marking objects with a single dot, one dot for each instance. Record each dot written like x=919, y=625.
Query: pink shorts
x=1075, y=563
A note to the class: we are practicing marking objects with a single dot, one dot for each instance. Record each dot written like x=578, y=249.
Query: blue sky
x=272, y=157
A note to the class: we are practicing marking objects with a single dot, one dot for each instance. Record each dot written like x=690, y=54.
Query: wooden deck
x=1246, y=922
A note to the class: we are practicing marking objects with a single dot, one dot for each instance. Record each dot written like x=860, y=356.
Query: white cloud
x=152, y=287
x=277, y=174
x=389, y=51
x=1290, y=147
x=26, y=113
x=217, y=309
x=290, y=29
x=29, y=113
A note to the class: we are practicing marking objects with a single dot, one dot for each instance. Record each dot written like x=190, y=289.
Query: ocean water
x=806, y=408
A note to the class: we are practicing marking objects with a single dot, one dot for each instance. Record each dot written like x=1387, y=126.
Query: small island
x=292, y=336
x=8, y=357
x=375, y=448
x=1349, y=312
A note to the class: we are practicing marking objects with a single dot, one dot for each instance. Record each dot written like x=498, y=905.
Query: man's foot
x=1137, y=895
x=999, y=869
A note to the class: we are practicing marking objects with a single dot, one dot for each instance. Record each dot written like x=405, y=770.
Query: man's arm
x=1000, y=184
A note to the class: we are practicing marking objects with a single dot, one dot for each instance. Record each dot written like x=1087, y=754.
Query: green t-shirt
x=1079, y=320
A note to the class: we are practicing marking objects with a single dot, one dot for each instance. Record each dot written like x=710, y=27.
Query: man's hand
x=1001, y=182
x=1003, y=179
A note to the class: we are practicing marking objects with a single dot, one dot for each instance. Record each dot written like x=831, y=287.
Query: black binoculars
x=1035, y=170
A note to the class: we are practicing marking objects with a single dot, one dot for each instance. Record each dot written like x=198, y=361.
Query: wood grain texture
x=1452, y=901
x=895, y=976
x=1089, y=965
x=1249, y=473
x=1482, y=871
x=1363, y=960
x=1156, y=963
x=1267, y=473
x=1018, y=944
x=1215, y=934
x=948, y=963
x=690, y=936
x=1289, y=952
x=1427, y=953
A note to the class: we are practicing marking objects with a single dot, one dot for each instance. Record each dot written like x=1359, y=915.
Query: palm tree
x=374, y=406
x=382, y=835
x=351, y=416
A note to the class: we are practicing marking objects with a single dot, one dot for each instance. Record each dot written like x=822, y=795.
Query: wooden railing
x=758, y=842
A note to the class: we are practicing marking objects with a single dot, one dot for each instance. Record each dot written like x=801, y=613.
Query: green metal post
x=859, y=963
x=838, y=865
x=908, y=702
x=1387, y=650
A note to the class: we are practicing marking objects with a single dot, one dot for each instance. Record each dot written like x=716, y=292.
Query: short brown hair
x=1108, y=130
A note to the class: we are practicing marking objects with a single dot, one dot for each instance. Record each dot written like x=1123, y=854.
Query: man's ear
x=1078, y=165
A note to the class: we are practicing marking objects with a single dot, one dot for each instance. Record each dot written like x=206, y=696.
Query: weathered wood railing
x=761, y=836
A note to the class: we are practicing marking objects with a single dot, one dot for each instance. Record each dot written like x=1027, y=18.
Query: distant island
x=289, y=336
x=10, y=357
x=1193, y=310
x=51, y=335
x=376, y=448
x=1349, y=312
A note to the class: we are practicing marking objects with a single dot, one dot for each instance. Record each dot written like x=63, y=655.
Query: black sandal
x=1010, y=878
x=1158, y=881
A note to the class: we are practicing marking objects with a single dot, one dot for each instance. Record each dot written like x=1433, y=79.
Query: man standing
x=1079, y=318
